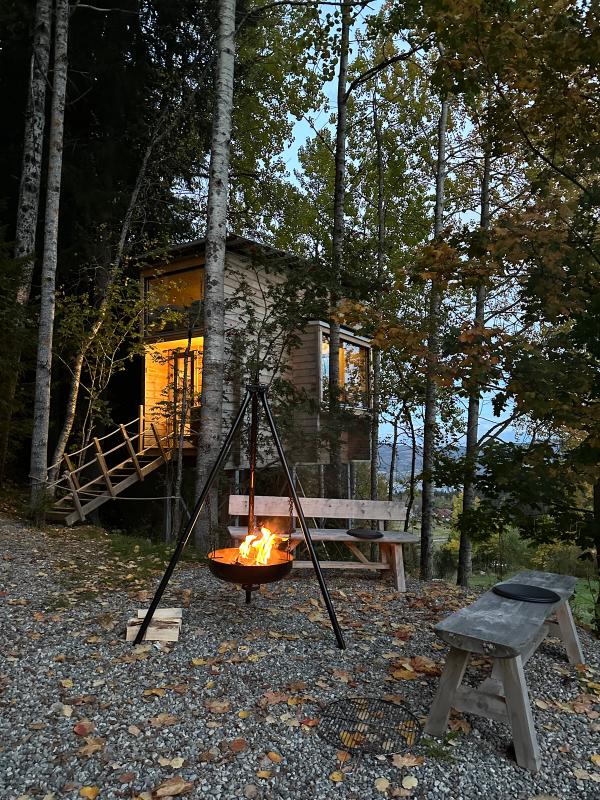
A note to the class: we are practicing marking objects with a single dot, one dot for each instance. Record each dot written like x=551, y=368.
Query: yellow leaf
x=264, y=773
x=382, y=784
x=91, y=792
x=336, y=776
x=199, y=662
x=595, y=759
x=243, y=714
x=159, y=692
x=409, y=782
x=275, y=757
x=67, y=683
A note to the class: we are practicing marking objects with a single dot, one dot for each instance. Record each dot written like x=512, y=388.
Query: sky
x=302, y=131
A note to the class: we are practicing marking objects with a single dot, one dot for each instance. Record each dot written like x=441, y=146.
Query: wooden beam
x=158, y=442
x=72, y=469
x=76, y=501
x=131, y=451
x=568, y=634
x=321, y=507
x=452, y=676
x=103, y=468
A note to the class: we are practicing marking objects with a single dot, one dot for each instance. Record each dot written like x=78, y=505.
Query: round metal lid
x=526, y=592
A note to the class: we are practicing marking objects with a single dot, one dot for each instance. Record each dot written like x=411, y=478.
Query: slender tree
x=433, y=347
x=471, y=449
x=29, y=192
x=337, y=252
x=41, y=412
x=213, y=363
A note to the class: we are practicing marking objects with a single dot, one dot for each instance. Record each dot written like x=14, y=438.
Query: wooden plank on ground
x=158, y=630
x=161, y=613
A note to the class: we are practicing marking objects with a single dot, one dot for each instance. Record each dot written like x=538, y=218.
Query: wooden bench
x=509, y=632
x=390, y=544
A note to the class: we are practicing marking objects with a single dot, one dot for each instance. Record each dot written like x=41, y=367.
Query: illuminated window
x=354, y=372
x=174, y=299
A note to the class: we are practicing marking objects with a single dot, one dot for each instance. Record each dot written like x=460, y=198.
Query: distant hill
x=403, y=458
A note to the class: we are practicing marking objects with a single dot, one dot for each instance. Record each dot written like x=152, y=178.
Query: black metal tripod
x=254, y=392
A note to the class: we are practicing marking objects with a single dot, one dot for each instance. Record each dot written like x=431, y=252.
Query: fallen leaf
x=382, y=784
x=67, y=711
x=243, y=714
x=163, y=720
x=134, y=730
x=342, y=756
x=217, y=705
x=156, y=692
x=336, y=776
x=409, y=782
x=126, y=777
x=173, y=787
x=264, y=773
x=275, y=757
x=541, y=704
x=92, y=745
x=91, y=792
x=84, y=727
x=199, y=662
x=595, y=759
x=408, y=760
x=404, y=675
x=238, y=745
x=581, y=774
x=460, y=725
x=67, y=683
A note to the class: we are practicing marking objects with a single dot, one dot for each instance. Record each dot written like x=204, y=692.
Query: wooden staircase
x=105, y=468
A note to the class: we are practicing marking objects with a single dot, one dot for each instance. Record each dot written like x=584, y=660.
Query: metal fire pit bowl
x=369, y=725
x=223, y=565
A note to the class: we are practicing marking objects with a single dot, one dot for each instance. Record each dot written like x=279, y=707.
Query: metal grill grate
x=370, y=725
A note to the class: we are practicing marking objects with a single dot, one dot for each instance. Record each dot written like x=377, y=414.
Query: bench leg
x=568, y=634
x=525, y=741
x=395, y=558
x=451, y=678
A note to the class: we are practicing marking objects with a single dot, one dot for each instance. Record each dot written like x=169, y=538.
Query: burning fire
x=257, y=547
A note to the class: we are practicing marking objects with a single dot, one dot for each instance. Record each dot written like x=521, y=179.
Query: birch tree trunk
x=464, y=552
x=41, y=410
x=213, y=362
x=29, y=192
x=337, y=247
x=376, y=355
x=433, y=347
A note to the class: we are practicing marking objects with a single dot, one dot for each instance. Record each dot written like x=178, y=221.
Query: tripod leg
x=307, y=538
x=183, y=539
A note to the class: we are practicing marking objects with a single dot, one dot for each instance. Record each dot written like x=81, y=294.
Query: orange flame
x=257, y=547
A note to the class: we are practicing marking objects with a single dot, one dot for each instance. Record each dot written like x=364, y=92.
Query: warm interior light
x=256, y=547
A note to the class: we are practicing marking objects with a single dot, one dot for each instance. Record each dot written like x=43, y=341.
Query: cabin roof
x=235, y=244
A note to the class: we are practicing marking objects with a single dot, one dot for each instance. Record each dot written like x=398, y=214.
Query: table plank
x=500, y=627
x=337, y=535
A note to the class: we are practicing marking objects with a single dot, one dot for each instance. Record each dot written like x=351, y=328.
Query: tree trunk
x=41, y=411
x=413, y=466
x=596, y=496
x=464, y=553
x=29, y=193
x=337, y=245
x=433, y=347
x=185, y=401
x=213, y=363
x=392, y=472
x=376, y=355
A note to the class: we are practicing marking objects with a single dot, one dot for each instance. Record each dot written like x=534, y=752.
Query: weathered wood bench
x=509, y=632
x=390, y=544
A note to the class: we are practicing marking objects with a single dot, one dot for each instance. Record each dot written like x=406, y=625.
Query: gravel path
x=231, y=710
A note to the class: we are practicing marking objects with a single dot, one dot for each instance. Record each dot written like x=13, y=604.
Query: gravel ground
x=232, y=709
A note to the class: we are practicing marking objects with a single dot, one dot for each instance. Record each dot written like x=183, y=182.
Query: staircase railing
x=100, y=460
